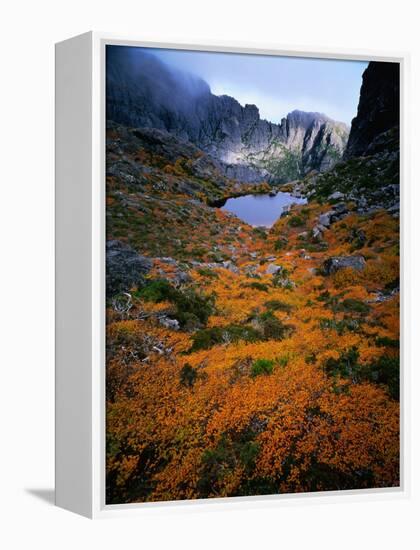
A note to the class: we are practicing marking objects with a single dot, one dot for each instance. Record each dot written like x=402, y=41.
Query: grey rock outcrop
x=124, y=267
x=335, y=263
x=325, y=219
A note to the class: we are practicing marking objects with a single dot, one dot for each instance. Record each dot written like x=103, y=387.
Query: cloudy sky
x=277, y=85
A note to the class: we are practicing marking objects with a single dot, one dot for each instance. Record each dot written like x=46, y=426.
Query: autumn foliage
x=272, y=383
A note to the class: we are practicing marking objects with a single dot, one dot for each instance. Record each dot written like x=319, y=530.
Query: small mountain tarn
x=242, y=358
x=262, y=210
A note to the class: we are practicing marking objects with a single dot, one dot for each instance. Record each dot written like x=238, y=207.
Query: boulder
x=340, y=208
x=166, y=322
x=325, y=219
x=335, y=263
x=339, y=211
x=394, y=208
x=338, y=195
x=230, y=266
x=272, y=269
x=318, y=231
x=285, y=210
x=168, y=260
x=182, y=277
x=124, y=267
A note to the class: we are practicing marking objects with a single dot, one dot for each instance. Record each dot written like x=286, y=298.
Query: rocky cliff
x=144, y=92
x=378, y=110
x=369, y=175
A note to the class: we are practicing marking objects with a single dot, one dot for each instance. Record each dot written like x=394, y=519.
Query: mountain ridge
x=142, y=91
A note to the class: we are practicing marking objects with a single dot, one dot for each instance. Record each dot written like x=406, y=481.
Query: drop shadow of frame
x=47, y=495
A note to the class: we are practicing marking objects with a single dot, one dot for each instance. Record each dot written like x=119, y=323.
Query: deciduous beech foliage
x=227, y=376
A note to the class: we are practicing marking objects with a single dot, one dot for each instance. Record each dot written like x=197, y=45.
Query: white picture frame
x=80, y=278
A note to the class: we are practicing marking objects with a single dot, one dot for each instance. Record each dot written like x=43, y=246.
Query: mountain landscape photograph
x=252, y=274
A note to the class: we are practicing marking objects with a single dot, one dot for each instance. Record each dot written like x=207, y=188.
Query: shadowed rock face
x=124, y=267
x=378, y=110
x=332, y=265
x=144, y=92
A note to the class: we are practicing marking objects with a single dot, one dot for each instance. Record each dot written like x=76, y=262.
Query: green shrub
x=296, y=221
x=278, y=305
x=157, y=291
x=262, y=366
x=206, y=272
x=218, y=463
x=346, y=365
x=209, y=337
x=280, y=280
x=384, y=371
x=199, y=252
x=353, y=305
x=273, y=328
x=280, y=244
x=248, y=454
x=257, y=286
x=259, y=232
x=341, y=326
x=188, y=375
x=384, y=341
x=192, y=308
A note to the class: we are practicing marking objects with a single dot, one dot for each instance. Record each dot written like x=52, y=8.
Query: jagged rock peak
x=305, y=118
x=378, y=110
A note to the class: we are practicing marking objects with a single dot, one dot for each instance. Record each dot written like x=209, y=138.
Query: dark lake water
x=260, y=209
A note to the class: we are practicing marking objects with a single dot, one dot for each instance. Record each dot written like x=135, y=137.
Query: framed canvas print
x=228, y=227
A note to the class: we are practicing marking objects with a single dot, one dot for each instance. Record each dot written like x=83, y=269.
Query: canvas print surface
x=252, y=275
